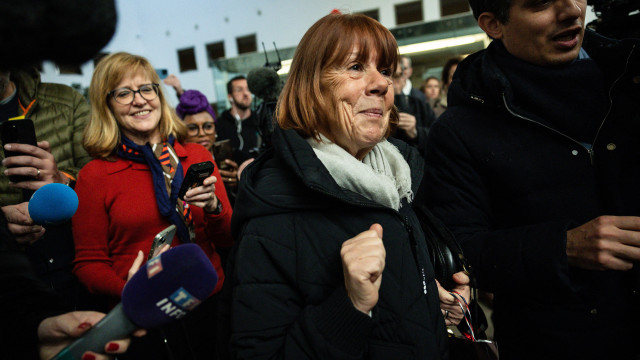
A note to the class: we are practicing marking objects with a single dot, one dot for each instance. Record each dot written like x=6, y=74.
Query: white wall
x=156, y=29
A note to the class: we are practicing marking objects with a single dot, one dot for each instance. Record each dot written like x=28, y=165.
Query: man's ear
x=490, y=24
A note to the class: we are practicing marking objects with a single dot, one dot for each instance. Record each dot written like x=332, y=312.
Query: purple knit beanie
x=193, y=102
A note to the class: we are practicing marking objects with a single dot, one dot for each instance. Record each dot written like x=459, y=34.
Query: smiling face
x=365, y=98
x=201, y=129
x=139, y=120
x=544, y=32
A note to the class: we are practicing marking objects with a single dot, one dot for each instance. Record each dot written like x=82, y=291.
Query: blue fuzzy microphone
x=53, y=204
x=165, y=289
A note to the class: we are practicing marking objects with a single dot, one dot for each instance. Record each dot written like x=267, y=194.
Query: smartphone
x=163, y=237
x=18, y=131
x=162, y=73
x=195, y=176
x=222, y=150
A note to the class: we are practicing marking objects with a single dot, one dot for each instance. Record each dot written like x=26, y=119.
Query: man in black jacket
x=416, y=116
x=534, y=168
x=239, y=124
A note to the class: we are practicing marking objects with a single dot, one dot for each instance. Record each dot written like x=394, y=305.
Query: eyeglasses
x=208, y=128
x=125, y=96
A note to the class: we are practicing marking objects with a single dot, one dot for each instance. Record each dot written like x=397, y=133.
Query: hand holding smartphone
x=18, y=131
x=222, y=150
x=195, y=176
x=162, y=238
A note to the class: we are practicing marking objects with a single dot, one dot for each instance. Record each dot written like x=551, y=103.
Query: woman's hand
x=448, y=304
x=137, y=263
x=363, y=260
x=55, y=333
x=204, y=196
x=230, y=176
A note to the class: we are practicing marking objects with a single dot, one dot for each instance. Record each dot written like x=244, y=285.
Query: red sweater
x=118, y=215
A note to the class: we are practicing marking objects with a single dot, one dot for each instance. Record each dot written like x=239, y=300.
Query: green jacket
x=59, y=114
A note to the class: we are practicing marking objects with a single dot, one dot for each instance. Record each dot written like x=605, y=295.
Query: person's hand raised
x=363, y=260
x=407, y=122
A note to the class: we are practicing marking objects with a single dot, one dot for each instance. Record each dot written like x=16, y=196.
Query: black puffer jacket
x=509, y=184
x=289, y=299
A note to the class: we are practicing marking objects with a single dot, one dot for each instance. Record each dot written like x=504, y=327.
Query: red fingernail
x=84, y=325
x=88, y=357
x=113, y=347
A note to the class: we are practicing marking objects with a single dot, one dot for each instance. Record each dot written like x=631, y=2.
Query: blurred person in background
x=449, y=68
x=431, y=88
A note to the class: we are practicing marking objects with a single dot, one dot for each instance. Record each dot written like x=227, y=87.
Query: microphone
x=53, y=204
x=165, y=289
x=264, y=83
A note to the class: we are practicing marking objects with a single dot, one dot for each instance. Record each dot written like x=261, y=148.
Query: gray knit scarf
x=382, y=176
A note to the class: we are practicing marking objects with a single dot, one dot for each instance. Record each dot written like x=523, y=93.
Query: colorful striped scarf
x=167, y=174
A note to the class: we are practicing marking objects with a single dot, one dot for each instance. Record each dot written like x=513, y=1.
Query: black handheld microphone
x=165, y=289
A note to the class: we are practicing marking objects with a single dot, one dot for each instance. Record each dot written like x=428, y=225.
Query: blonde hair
x=307, y=101
x=102, y=133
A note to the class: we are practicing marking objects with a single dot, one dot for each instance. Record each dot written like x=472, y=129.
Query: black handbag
x=447, y=259
x=445, y=252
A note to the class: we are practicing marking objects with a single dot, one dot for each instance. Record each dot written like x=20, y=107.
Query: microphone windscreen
x=264, y=83
x=168, y=286
x=53, y=204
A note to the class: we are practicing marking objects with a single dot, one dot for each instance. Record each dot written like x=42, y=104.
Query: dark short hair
x=230, y=83
x=500, y=8
x=447, y=67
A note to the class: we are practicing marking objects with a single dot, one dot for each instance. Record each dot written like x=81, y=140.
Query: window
x=374, y=14
x=187, y=59
x=247, y=44
x=450, y=7
x=408, y=12
x=215, y=51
